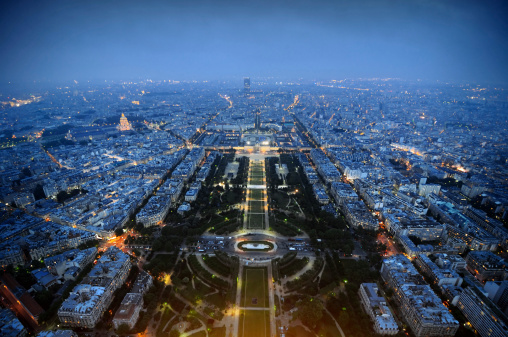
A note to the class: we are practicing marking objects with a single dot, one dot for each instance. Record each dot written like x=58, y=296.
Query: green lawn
x=254, y=288
x=257, y=173
x=256, y=206
x=256, y=221
x=216, y=299
x=256, y=180
x=256, y=194
x=254, y=323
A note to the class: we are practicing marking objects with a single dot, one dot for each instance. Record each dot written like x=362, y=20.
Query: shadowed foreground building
x=10, y=326
x=58, y=333
x=128, y=313
x=486, y=266
x=420, y=307
x=482, y=317
x=377, y=309
x=88, y=300
x=132, y=303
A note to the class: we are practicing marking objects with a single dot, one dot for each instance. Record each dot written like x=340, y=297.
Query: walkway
x=271, y=293
x=238, y=301
x=336, y=323
x=307, y=267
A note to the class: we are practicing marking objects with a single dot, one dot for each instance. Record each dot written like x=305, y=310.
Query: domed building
x=124, y=124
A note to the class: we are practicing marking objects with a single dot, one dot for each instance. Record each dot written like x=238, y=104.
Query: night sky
x=212, y=40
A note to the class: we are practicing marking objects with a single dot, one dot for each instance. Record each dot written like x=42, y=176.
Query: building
x=357, y=215
x=320, y=194
x=484, y=318
x=420, y=307
x=486, y=266
x=493, y=226
x=11, y=254
x=426, y=189
x=58, y=333
x=143, y=282
x=154, y=211
x=424, y=229
x=397, y=270
x=192, y=193
x=438, y=275
x=375, y=306
x=10, y=326
x=88, y=300
x=84, y=306
x=128, y=312
x=124, y=124
x=246, y=86
x=498, y=293
x=343, y=193
x=44, y=277
x=461, y=227
x=324, y=166
x=184, y=207
x=132, y=303
x=424, y=312
x=59, y=264
x=450, y=261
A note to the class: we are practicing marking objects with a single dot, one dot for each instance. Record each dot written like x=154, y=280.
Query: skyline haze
x=203, y=40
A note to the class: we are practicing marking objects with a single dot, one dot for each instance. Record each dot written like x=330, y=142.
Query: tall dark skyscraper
x=246, y=86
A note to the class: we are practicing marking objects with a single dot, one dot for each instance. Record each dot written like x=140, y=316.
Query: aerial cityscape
x=200, y=193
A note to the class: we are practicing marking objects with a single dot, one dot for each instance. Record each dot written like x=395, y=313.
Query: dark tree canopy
x=310, y=311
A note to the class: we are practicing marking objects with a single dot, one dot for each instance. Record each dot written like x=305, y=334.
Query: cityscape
x=144, y=208
x=331, y=169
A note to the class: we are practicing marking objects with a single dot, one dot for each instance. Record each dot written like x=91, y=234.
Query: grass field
x=256, y=180
x=256, y=194
x=256, y=206
x=256, y=221
x=254, y=288
x=254, y=323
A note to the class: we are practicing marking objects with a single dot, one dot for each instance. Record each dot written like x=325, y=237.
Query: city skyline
x=254, y=169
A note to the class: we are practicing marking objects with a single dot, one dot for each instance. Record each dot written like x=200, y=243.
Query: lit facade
x=124, y=124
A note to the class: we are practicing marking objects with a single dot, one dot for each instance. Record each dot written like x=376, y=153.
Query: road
x=284, y=244
x=391, y=249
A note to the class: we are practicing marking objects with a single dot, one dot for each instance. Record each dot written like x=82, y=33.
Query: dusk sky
x=209, y=40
